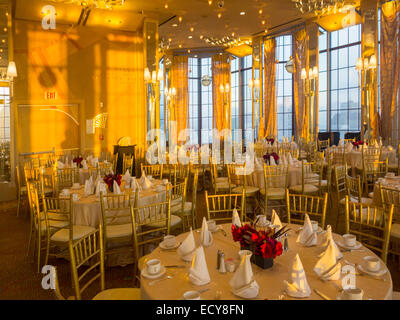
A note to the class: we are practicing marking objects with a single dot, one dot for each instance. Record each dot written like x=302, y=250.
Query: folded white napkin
x=272, y=161
x=126, y=177
x=307, y=236
x=116, y=189
x=88, y=188
x=84, y=165
x=206, y=238
x=135, y=184
x=60, y=165
x=198, y=272
x=275, y=220
x=101, y=187
x=259, y=164
x=146, y=184
x=242, y=282
x=186, y=249
x=94, y=161
x=236, y=218
x=327, y=239
x=327, y=266
x=290, y=160
x=297, y=286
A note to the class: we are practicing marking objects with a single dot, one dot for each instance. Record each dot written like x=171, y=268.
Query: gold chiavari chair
x=323, y=144
x=87, y=261
x=220, y=206
x=154, y=170
x=369, y=154
x=298, y=205
x=169, y=172
x=275, y=185
x=65, y=178
x=395, y=167
x=127, y=163
x=182, y=173
x=150, y=224
x=116, y=222
x=177, y=194
x=354, y=191
x=107, y=167
x=94, y=173
x=371, y=225
x=114, y=162
x=22, y=191
x=338, y=156
x=310, y=172
x=237, y=175
x=187, y=210
x=388, y=197
x=340, y=193
x=372, y=171
x=220, y=184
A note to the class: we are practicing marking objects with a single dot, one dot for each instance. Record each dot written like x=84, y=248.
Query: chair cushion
x=178, y=208
x=308, y=188
x=395, y=231
x=274, y=193
x=119, y=294
x=119, y=230
x=248, y=190
x=175, y=220
x=78, y=232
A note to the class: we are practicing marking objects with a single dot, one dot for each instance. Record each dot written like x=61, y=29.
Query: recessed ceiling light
x=263, y=22
x=169, y=39
x=195, y=55
x=188, y=50
x=174, y=25
x=201, y=37
x=5, y=29
x=180, y=46
x=266, y=30
x=219, y=15
x=210, y=2
x=242, y=13
x=180, y=19
x=166, y=6
x=190, y=37
x=233, y=34
x=260, y=11
x=191, y=29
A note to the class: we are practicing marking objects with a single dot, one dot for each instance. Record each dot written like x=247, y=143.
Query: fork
x=158, y=280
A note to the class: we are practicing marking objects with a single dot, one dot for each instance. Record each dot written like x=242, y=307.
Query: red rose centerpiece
x=78, y=161
x=358, y=143
x=262, y=243
x=267, y=157
x=110, y=178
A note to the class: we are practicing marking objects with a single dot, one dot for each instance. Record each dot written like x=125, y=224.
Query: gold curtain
x=181, y=99
x=269, y=89
x=221, y=71
x=300, y=61
x=389, y=65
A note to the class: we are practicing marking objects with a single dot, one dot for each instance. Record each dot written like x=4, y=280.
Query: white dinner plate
x=164, y=247
x=341, y=244
x=378, y=273
x=153, y=276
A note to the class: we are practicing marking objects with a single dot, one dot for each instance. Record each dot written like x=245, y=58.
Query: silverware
x=175, y=266
x=323, y=296
x=158, y=280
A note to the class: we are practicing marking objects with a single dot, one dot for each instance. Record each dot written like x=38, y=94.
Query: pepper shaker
x=222, y=268
x=218, y=259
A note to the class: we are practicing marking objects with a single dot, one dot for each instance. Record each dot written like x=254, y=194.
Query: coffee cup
x=349, y=240
x=169, y=241
x=212, y=225
x=153, y=266
x=314, y=225
x=191, y=295
x=353, y=294
x=372, y=263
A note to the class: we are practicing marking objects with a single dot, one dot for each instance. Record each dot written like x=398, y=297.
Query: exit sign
x=50, y=95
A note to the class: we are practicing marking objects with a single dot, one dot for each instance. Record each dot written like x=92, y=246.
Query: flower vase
x=264, y=263
x=111, y=187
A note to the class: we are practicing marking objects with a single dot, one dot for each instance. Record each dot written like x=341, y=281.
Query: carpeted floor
x=18, y=276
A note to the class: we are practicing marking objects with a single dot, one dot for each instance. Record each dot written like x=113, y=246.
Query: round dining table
x=175, y=282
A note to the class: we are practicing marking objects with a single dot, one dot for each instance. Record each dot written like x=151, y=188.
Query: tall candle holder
x=310, y=85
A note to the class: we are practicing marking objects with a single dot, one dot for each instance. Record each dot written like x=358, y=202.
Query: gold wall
x=90, y=71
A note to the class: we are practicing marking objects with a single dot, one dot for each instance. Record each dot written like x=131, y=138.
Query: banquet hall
x=199, y=150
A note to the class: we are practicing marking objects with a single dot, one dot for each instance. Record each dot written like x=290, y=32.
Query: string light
x=180, y=46
x=166, y=6
x=210, y=2
x=180, y=19
x=219, y=15
x=191, y=29
x=263, y=22
x=260, y=11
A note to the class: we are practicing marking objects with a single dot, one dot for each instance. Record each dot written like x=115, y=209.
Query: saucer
x=340, y=297
x=319, y=230
x=341, y=244
x=153, y=276
x=164, y=247
x=378, y=273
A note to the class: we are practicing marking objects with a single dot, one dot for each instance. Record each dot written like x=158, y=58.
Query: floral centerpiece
x=110, y=178
x=262, y=243
x=267, y=157
x=358, y=143
x=78, y=161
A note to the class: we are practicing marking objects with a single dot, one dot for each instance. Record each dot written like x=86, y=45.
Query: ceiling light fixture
x=219, y=15
x=260, y=11
x=191, y=29
x=101, y=4
x=180, y=19
x=321, y=7
x=190, y=37
x=242, y=13
x=166, y=6
x=174, y=25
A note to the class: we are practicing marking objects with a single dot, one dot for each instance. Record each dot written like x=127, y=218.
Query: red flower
x=278, y=249
x=266, y=250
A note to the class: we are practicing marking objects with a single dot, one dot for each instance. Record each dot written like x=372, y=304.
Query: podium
x=121, y=150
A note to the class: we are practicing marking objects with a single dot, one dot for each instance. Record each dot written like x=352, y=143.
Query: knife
x=323, y=296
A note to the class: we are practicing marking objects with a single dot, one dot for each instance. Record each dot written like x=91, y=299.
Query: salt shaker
x=222, y=268
x=218, y=259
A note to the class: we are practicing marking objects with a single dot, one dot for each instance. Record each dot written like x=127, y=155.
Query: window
x=246, y=75
x=284, y=87
x=344, y=48
x=162, y=100
x=323, y=82
x=235, y=97
x=200, y=101
x=5, y=139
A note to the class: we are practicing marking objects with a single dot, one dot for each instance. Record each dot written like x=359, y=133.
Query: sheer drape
x=270, y=111
x=300, y=60
x=389, y=65
x=181, y=99
x=221, y=73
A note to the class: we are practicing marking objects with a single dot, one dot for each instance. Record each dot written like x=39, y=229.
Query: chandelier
x=101, y=4
x=319, y=7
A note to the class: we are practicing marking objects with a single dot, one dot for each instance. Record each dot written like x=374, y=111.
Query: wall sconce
x=12, y=70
